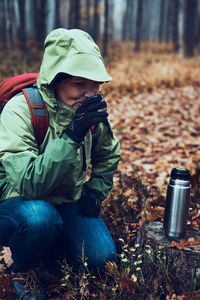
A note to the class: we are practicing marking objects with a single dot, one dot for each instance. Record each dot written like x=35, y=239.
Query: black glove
x=90, y=204
x=91, y=112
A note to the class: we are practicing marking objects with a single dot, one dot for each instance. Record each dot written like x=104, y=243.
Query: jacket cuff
x=94, y=194
x=72, y=141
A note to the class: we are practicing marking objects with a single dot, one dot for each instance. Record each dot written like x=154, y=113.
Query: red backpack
x=26, y=84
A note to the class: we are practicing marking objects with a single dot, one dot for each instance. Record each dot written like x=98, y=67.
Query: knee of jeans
x=38, y=216
x=97, y=260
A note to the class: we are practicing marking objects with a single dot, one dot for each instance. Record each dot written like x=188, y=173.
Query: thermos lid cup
x=179, y=173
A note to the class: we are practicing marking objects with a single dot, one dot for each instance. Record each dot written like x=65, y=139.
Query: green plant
x=77, y=282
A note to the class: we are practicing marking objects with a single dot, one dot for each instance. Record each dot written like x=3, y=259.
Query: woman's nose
x=90, y=93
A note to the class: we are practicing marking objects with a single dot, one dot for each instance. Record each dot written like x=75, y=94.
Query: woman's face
x=74, y=90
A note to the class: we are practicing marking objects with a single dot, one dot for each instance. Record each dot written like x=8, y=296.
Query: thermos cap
x=180, y=173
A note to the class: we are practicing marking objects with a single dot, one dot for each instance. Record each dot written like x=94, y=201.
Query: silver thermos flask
x=177, y=203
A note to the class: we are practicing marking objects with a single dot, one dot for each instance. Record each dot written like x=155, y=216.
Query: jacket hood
x=73, y=52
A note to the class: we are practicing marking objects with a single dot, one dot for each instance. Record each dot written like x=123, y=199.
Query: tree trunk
x=198, y=28
x=127, y=30
x=40, y=15
x=57, y=22
x=42, y=10
x=146, y=21
x=180, y=28
x=3, y=23
x=74, y=14
x=138, y=25
x=105, y=40
x=22, y=27
x=71, y=13
x=175, y=10
x=189, y=26
x=161, y=21
x=88, y=27
x=110, y=19
x=124, y=24
x=130, y=19
x=96, y=21
x=77, y=14
x=169, y=21
x=9, y=25
x=164, y=262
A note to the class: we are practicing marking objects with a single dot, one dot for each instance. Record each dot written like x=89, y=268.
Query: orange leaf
x=127, y=284
x=187, y=245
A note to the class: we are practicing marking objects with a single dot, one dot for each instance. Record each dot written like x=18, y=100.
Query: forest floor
x=154, y=109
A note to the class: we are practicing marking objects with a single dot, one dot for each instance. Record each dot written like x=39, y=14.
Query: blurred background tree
x=165, y=21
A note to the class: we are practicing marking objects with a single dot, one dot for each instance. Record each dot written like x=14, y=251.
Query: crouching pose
x=45, y=200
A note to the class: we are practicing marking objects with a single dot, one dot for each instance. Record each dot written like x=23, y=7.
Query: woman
x=47, y=201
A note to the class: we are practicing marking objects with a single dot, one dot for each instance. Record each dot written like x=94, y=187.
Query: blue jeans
x=32, y=228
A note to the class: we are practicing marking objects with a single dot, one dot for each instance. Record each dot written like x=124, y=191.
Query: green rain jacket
x=57, y=170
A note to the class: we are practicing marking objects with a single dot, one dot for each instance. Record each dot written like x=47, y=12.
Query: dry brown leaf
x=190, y=245
x=127, y=284
x=6, y=256
x=112, y=268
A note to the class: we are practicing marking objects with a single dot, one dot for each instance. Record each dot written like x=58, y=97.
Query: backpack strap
x=38, y=111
